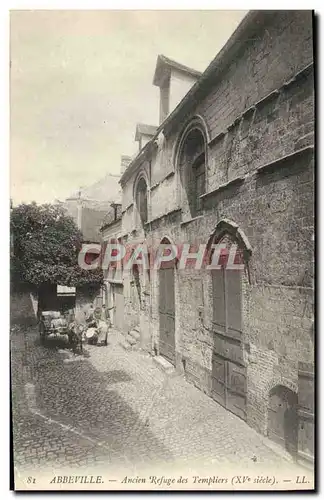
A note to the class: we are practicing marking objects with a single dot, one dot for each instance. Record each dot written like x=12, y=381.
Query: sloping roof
x=138, y=158
x=143, y=129
x=246, y=30
x=164, y=63
x=106, y=189
x=95, y=200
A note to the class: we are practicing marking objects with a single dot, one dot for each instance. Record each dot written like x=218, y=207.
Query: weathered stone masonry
x=255, y=111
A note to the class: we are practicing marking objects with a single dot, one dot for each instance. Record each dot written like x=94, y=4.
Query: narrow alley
x=116, y=410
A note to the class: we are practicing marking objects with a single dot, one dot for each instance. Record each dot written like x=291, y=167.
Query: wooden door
x=282, y=418
x=167, y=313
x=118, y=306
x=306, y=424
x=228, y=370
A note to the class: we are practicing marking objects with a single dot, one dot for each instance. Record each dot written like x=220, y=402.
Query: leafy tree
x=46, y=242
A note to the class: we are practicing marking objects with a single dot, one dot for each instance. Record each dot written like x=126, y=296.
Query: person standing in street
x=104, y=323
x=92, y=326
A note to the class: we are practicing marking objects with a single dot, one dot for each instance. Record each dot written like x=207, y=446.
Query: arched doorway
x=228, y=377
x=282, y=418
x=167, y=309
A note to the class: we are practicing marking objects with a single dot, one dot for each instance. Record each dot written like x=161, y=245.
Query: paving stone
x=116, y=407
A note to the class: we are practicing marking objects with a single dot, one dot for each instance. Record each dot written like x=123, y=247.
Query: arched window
x=192, y=163
x=198, y=168
x=141, y=199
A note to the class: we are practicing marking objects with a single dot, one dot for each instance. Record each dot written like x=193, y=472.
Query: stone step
x=131, y=340
x=125, y=345
x=164, y=365
x=135, y=334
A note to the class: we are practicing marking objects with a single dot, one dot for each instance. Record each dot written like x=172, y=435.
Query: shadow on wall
x=282, y=418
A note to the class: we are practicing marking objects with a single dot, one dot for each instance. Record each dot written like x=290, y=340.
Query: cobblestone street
x=113, y=408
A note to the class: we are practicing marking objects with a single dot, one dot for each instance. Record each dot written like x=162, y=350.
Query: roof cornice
x=248, y=27
x=144, y=129
x=139, y=159
x=164, y=66
x=244, y=33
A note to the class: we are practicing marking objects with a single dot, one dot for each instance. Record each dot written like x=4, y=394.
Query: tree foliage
x=46, y=242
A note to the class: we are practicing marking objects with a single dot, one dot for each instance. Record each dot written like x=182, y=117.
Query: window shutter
x=233, y=302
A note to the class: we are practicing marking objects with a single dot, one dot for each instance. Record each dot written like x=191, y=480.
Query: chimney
x=174, y=80
x=164, y=100
x=125, y=161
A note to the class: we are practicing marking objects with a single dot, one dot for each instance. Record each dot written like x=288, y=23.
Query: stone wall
x=258, y=116
x=23, y=307
x=86, y=296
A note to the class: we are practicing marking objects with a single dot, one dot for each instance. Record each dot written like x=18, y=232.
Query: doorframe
x=166, y=240
x=271, y=433
x=236, y=235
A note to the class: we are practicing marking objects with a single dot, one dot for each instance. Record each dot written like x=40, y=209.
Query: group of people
x=98, y=323
x=93, y=326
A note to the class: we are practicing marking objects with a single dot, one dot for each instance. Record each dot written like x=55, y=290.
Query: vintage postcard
x=162, y=250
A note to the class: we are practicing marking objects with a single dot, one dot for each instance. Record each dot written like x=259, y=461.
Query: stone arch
x=166, y=240
x=279, y=380
x=229, y=232
x=141, y=174
x=196, y=122
x=141, y=184
x=227, y=298
x=282, y=425
x=227, y=226
x=190, y=161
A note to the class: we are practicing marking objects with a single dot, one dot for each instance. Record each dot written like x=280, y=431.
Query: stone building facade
x=111, y=232
x=88, y=207
x=233, y=163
